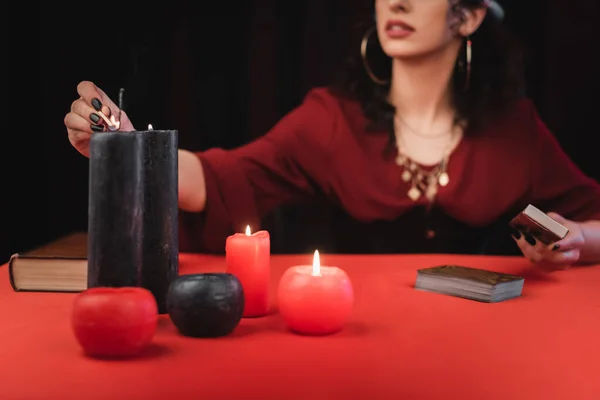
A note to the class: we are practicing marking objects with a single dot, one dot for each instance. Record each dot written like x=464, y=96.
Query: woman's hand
x=83, y=120
x=559, y=255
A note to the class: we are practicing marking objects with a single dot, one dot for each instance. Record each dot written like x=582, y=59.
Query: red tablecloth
x=400, y=343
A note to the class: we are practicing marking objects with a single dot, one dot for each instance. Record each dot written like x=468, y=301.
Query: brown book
x=59, y=266
x=538, y=224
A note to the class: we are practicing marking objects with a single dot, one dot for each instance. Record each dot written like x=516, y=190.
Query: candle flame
x=115, y=124
x=111, y=123
x=248, y=231
x=150, y=127
x=316, y=270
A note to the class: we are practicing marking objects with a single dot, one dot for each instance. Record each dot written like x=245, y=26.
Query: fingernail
x=556, y=247
x=97, y=128
x=515, y=233
x=530, y=239
x=96, y=104
x=94, y=117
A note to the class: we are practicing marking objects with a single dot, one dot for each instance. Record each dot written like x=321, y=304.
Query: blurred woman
x=426, y=145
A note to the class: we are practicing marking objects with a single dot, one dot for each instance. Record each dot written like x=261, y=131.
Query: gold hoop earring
x=469, y=55
x=363, y=53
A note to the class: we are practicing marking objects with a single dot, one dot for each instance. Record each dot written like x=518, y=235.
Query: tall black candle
x=132, y=224
x=160, y=251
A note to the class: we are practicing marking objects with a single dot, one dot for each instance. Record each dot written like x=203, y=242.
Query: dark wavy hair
x=496, y=80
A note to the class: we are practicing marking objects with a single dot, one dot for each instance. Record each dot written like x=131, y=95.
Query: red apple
x=114, y=322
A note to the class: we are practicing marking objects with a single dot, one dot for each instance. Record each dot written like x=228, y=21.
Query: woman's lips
x=397, y=29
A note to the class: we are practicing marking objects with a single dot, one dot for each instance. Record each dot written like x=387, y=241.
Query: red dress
x=322, y=151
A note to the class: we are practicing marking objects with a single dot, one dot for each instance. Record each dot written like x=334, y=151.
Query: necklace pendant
x=444, y=179
x=406, y=175
x=414, y=193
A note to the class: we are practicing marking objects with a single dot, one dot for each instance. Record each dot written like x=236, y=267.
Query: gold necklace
x=420, y=134
x=424, y=182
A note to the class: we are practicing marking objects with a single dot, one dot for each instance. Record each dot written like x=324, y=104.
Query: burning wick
x=150, y=128
x=316, y=268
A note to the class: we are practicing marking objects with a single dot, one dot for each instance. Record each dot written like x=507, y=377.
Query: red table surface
x=400, y=343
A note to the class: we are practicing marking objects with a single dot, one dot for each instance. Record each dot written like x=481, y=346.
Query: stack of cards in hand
x=470, y=283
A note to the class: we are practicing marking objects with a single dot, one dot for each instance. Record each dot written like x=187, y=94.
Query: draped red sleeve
x=242, y=185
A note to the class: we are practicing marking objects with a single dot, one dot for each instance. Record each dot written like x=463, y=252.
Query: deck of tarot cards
x=470, y=283
x=538, y=224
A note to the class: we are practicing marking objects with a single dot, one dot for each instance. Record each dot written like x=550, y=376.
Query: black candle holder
x=206, y=305
x=133, y=211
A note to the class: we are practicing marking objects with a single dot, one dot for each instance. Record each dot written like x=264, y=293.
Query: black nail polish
x=94, y=117
x=515, y=233
x=556, y=247
x=530, y=239
x=96, y=104
x=97, y=128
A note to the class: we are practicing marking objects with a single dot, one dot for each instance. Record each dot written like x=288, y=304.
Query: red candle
x=315, y=300
x=248, y=257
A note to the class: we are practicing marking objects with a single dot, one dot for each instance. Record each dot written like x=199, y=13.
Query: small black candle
x=206, y=305
x=132, y=226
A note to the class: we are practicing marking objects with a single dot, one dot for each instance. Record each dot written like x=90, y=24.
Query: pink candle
x=248, y=257
x=315, y=300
